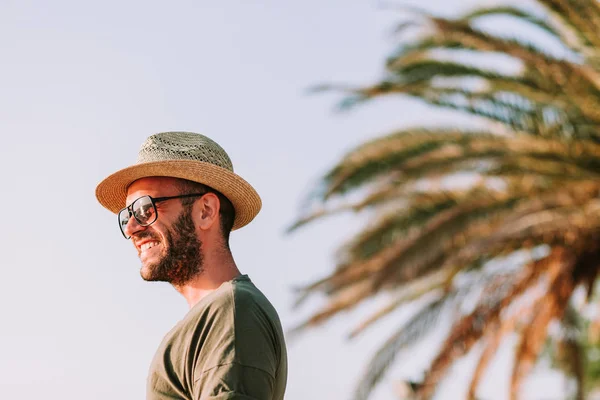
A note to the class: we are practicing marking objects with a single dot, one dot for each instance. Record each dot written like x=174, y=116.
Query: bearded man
x=178, y=204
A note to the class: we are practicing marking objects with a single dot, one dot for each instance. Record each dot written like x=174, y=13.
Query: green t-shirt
x=229, y=346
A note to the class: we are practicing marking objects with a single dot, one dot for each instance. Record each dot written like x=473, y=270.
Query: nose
x=133, y=227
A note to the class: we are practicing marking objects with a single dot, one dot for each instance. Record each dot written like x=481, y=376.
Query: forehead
x=155, y=186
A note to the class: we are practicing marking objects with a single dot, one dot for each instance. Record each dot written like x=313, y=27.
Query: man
x=178, y=204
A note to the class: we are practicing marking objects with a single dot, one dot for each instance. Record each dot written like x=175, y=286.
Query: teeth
x=148, y=245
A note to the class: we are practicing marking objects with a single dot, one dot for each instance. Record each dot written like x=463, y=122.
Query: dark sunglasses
x=144, y=211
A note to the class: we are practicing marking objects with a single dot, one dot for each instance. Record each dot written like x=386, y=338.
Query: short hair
x=226, y=210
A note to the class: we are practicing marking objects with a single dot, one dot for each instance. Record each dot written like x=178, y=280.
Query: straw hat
x=188, y=156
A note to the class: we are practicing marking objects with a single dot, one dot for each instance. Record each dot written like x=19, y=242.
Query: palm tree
x=530, y=186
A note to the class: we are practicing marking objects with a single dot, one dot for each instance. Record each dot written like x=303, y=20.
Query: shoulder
x=246, y=293
x=236, y=304
x=241, y=332
x=258, y=332
x=217, y=303
x=251, y=306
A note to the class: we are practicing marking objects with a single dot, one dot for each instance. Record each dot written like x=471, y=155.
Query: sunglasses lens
x=144, y=211
x=123, y=220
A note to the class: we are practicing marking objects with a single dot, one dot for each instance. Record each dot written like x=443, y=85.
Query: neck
x=218, y=267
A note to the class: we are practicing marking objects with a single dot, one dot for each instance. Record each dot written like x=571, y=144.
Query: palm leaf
x=418, y=326
x=494, y=333
x=530, y=179
x=513, y=12
x=468, y=330
x=568, y=354
x=549, y=307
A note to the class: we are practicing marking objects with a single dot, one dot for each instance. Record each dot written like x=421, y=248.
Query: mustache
x=145, y=235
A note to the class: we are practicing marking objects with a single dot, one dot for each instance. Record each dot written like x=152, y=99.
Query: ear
x=209, y=211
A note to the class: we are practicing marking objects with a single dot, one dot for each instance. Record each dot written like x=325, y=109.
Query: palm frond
x=469, y=329
x=513, y=12
x=542, y=72
x=568, y=353
x=411, y=291
x=344, y=300
x=495, y=331
x=548, y=307
x=529, y=179
x=415, y=328
x=416, y=152
x=582, y=18
x=454, y=239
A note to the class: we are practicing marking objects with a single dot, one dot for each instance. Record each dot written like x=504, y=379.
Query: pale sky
x=82, y=84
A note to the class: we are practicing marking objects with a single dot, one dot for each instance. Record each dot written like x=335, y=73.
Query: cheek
x=163, y=234
x=159, y=233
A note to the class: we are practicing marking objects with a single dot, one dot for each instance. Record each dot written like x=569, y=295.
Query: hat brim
x=112, y=191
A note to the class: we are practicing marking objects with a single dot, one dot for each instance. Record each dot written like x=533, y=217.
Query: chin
x=147, y=273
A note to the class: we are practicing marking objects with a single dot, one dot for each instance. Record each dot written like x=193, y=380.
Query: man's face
x=169, y=249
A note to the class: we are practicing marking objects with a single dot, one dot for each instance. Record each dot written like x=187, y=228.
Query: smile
x=148, y=245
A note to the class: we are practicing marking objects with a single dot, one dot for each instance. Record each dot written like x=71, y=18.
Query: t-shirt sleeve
x=235, y=351
x=234, y=381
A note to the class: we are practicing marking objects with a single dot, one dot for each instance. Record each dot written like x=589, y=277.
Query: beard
x=183, y=260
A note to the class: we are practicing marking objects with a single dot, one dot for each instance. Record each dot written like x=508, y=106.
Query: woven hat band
x=183, y=146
